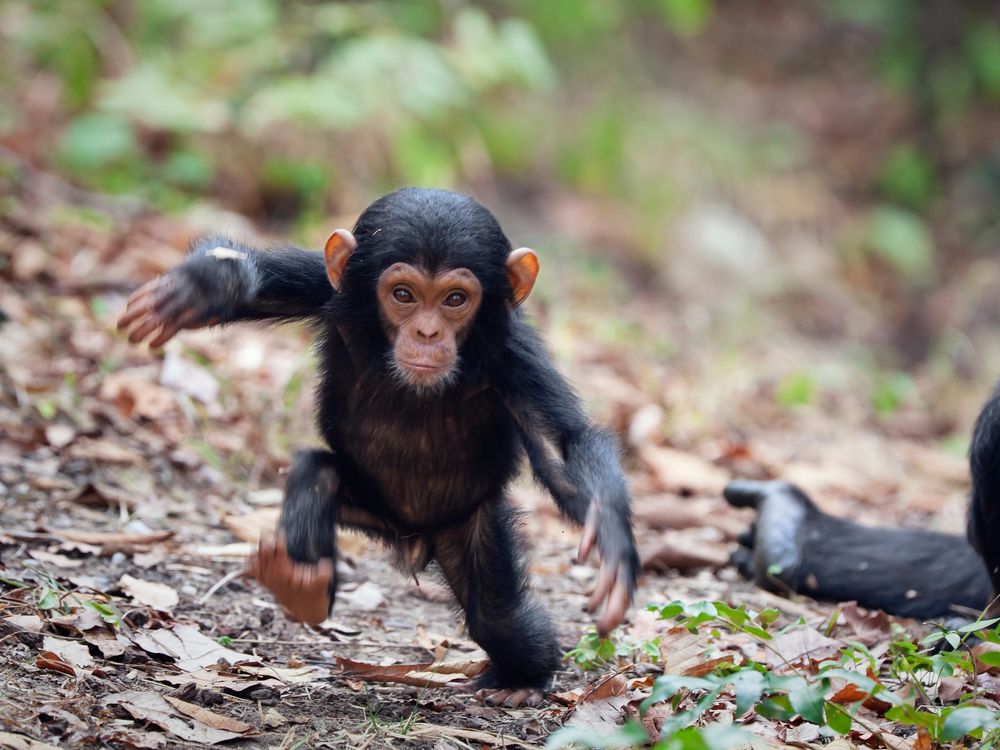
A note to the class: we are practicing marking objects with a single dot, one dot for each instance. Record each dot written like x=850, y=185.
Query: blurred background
x=770, y=243
x=754, y=217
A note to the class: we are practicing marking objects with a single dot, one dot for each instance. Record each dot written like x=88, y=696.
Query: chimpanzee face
x=426, y=318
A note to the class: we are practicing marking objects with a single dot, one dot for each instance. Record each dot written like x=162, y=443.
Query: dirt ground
x=133, y=483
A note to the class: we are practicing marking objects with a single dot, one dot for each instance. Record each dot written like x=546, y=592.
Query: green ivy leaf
x=966, y=720
x=808, y=702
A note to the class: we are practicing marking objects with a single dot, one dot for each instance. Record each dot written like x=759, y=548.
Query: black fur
x=984, y=504
x=794, y=547
x=427, y=472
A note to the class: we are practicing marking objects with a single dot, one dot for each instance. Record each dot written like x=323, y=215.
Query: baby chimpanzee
x=432, y=386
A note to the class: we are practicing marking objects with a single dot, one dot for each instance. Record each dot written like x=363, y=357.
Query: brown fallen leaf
x=50, y=558
x=606, y=687
x=109, y=644
x=250, y=527
x=54, y=662
x=676, y=552
x=801, y=645
x=31, y=623
x=286, y=675
x=210, y=718
x=869, y=626
x=950, y=689
x=187, y=645
x=135, y=395
x=852, y=694
x=11, y=741
x=156, y=595
x=103, y=451
x=677, y=471
x=71, y=652
x=666, y=511
x=154, y=708
x=683, y=652
x=983, y=648
x=114, y=541
x=428, y=674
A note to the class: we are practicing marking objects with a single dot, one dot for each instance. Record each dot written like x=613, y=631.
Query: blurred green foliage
x=288, y=110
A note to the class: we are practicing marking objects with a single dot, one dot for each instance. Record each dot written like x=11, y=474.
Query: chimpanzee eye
x=456, y=299
x=402, y=294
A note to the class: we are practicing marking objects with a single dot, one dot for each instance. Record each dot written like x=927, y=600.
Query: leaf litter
x=130, y=490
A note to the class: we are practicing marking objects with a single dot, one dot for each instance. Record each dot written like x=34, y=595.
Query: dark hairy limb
x=984, y=504
x=579, y=465
x=794, y=547
x=224, y=281
x=482, y=561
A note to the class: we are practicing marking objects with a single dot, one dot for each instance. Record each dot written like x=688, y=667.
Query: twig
x=230, y=576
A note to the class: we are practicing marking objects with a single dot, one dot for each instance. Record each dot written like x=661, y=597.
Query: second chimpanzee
x=432, y=387
x=794, y=546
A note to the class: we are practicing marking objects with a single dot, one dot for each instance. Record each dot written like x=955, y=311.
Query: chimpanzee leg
x=795, y=547
x=300, y=566
x=482, y=560
x=984, y=505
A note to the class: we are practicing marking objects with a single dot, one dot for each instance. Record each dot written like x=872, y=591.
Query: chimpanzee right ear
x=338, y=249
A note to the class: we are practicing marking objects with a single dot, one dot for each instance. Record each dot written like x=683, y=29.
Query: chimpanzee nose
x=428, y=330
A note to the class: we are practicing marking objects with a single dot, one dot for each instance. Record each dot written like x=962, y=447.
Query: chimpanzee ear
x=338, y=249
x=522, y=270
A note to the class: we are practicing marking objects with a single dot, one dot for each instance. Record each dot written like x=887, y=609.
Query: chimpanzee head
x=428, y=278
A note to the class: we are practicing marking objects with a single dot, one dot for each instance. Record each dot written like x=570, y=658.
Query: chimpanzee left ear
x=338, y=249
x=522, y=270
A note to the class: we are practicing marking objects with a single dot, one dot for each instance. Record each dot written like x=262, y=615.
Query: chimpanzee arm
x=984, y=506
x=577, y=462
x=224, y=281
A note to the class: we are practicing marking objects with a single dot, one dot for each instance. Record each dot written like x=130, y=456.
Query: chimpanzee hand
x=619, y=564
x=203, y=291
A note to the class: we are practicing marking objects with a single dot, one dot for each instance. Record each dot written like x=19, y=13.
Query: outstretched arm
x=224, y=281
x=578, y=463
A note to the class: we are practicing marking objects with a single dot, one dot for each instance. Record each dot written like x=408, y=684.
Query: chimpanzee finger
x=138, y=304
x=146, y=326
x=605, y=580
x=493, y=698
x=172, y=327
x=616, y=607
x=588, y=537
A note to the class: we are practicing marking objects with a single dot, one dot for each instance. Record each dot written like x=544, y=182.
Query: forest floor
x=133, y=483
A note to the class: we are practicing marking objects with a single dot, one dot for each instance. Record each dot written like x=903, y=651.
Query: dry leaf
x=60, y=561
x=156, y=595
x=187, y=645
x=423, y=675
x=683, y=472
x=112, y=541
x=10, y=741
x=287, y=675
x=250, y=527
x=607, y=687
x=103, y=451
x=52, y=661
x=803, y=644
x=31, y=623
x=366, y=597
x=153, y=707
x=210, y=718
x=189, y=378
x=71, y=652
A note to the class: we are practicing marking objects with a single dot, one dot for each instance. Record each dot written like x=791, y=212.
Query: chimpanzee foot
x=510, y=697
x=302, y=589
x=771, y=554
